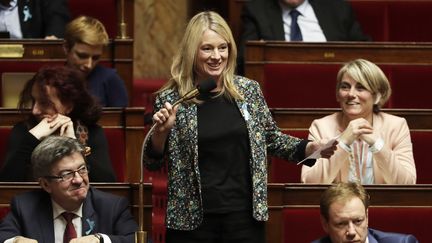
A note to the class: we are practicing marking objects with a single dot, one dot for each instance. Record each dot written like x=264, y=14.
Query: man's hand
x=85, y=239
x=21, y=239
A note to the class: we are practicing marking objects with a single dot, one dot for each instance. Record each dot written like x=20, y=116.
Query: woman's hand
x=51, y=124
x=165, y=118
x=357, y=128
x=326, y=153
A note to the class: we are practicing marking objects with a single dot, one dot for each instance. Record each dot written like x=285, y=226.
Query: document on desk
x=317, y=154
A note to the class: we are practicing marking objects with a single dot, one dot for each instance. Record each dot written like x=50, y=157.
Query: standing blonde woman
x=216, y=146
x=374, y=147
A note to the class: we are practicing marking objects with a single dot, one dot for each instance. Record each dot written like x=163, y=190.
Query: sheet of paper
x=317, y=154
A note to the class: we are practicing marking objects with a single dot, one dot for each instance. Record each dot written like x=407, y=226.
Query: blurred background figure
x=33, y=18
x=374, y=147
x=298, y=20
x=85, y=40
x=60, y=105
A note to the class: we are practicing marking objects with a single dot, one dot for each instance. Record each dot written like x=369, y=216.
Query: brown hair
x=342, y=192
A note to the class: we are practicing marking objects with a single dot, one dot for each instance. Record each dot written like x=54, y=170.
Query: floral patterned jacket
x=184, y=209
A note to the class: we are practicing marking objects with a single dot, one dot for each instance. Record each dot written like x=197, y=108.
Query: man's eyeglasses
x=68, y=175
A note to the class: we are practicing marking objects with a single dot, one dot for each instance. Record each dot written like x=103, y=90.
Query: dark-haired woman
x=61, y=105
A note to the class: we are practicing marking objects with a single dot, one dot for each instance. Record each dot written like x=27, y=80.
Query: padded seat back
x=103, y=10
x=302, y=224
x=421, y=141
x=117, y=151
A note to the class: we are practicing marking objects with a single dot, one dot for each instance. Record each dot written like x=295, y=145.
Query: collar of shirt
x=60, y=222
x=58, y=210
x=308, y=23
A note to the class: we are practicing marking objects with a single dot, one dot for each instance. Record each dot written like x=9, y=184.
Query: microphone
x=202, y=88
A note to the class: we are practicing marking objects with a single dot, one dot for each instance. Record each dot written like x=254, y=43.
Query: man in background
x=344, y=217
x=299, y=20
x=33, y=18
x=67, y=208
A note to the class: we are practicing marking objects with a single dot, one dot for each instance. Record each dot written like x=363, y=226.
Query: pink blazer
x=393, y=164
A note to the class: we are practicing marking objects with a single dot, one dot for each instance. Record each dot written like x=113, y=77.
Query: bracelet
x=377, y=146
x=99, y=237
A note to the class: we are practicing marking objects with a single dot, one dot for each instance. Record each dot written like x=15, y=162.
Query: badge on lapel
x=27, y=14
x=91, y=225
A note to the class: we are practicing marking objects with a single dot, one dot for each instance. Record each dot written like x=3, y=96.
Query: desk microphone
x=202, y=88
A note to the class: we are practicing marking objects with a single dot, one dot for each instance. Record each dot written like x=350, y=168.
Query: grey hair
x=51, y=150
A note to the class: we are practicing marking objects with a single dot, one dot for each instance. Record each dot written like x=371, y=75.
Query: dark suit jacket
x=32, y=216
x=376, y=236
x=46, y=17
x=262, y=19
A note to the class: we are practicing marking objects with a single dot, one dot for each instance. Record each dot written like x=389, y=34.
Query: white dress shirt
x=307, y=21
x=9, y=20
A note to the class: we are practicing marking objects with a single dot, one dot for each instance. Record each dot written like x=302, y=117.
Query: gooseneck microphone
x=203, y=88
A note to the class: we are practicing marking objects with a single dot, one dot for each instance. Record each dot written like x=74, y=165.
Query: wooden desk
x=291, y=195
x=129, y=191
x=259, y=53
x=130, y=119
x=118, y=54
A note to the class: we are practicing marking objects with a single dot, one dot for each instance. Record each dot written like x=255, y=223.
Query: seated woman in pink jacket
x=374, y=147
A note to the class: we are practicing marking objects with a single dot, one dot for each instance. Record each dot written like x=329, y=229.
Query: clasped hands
x=361, y=129
x=52, y=124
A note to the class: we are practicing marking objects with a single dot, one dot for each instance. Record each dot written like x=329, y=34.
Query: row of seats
x=299, y=85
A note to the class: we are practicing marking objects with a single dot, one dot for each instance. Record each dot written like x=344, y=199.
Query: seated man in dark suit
x=33, y=19
x=344, y=217
x=315, y=21
x=95, y=216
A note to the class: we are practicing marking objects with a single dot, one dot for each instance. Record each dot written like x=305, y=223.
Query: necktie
x=70, y=232
x=295, y=34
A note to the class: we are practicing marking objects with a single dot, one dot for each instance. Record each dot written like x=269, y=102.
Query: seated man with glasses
x=67, y=209
x=344, y=216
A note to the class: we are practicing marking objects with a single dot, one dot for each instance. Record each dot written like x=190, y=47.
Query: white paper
x=317, y=154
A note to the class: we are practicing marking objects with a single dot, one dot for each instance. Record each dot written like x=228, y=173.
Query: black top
x=21, y=143
x=223, y=154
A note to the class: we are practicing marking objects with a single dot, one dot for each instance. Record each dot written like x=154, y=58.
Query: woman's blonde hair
x=370, y=76
x=87, y=30
x=183, y=66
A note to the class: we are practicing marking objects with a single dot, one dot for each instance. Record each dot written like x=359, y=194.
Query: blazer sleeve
x=278, y=143
x=16, y=165
x=10, y=226
x=324, y=170
x=395, y=161
x=124, y=226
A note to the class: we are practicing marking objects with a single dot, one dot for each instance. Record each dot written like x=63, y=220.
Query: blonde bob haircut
x=183, y=74
x=371, y=77
x=87, y=30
